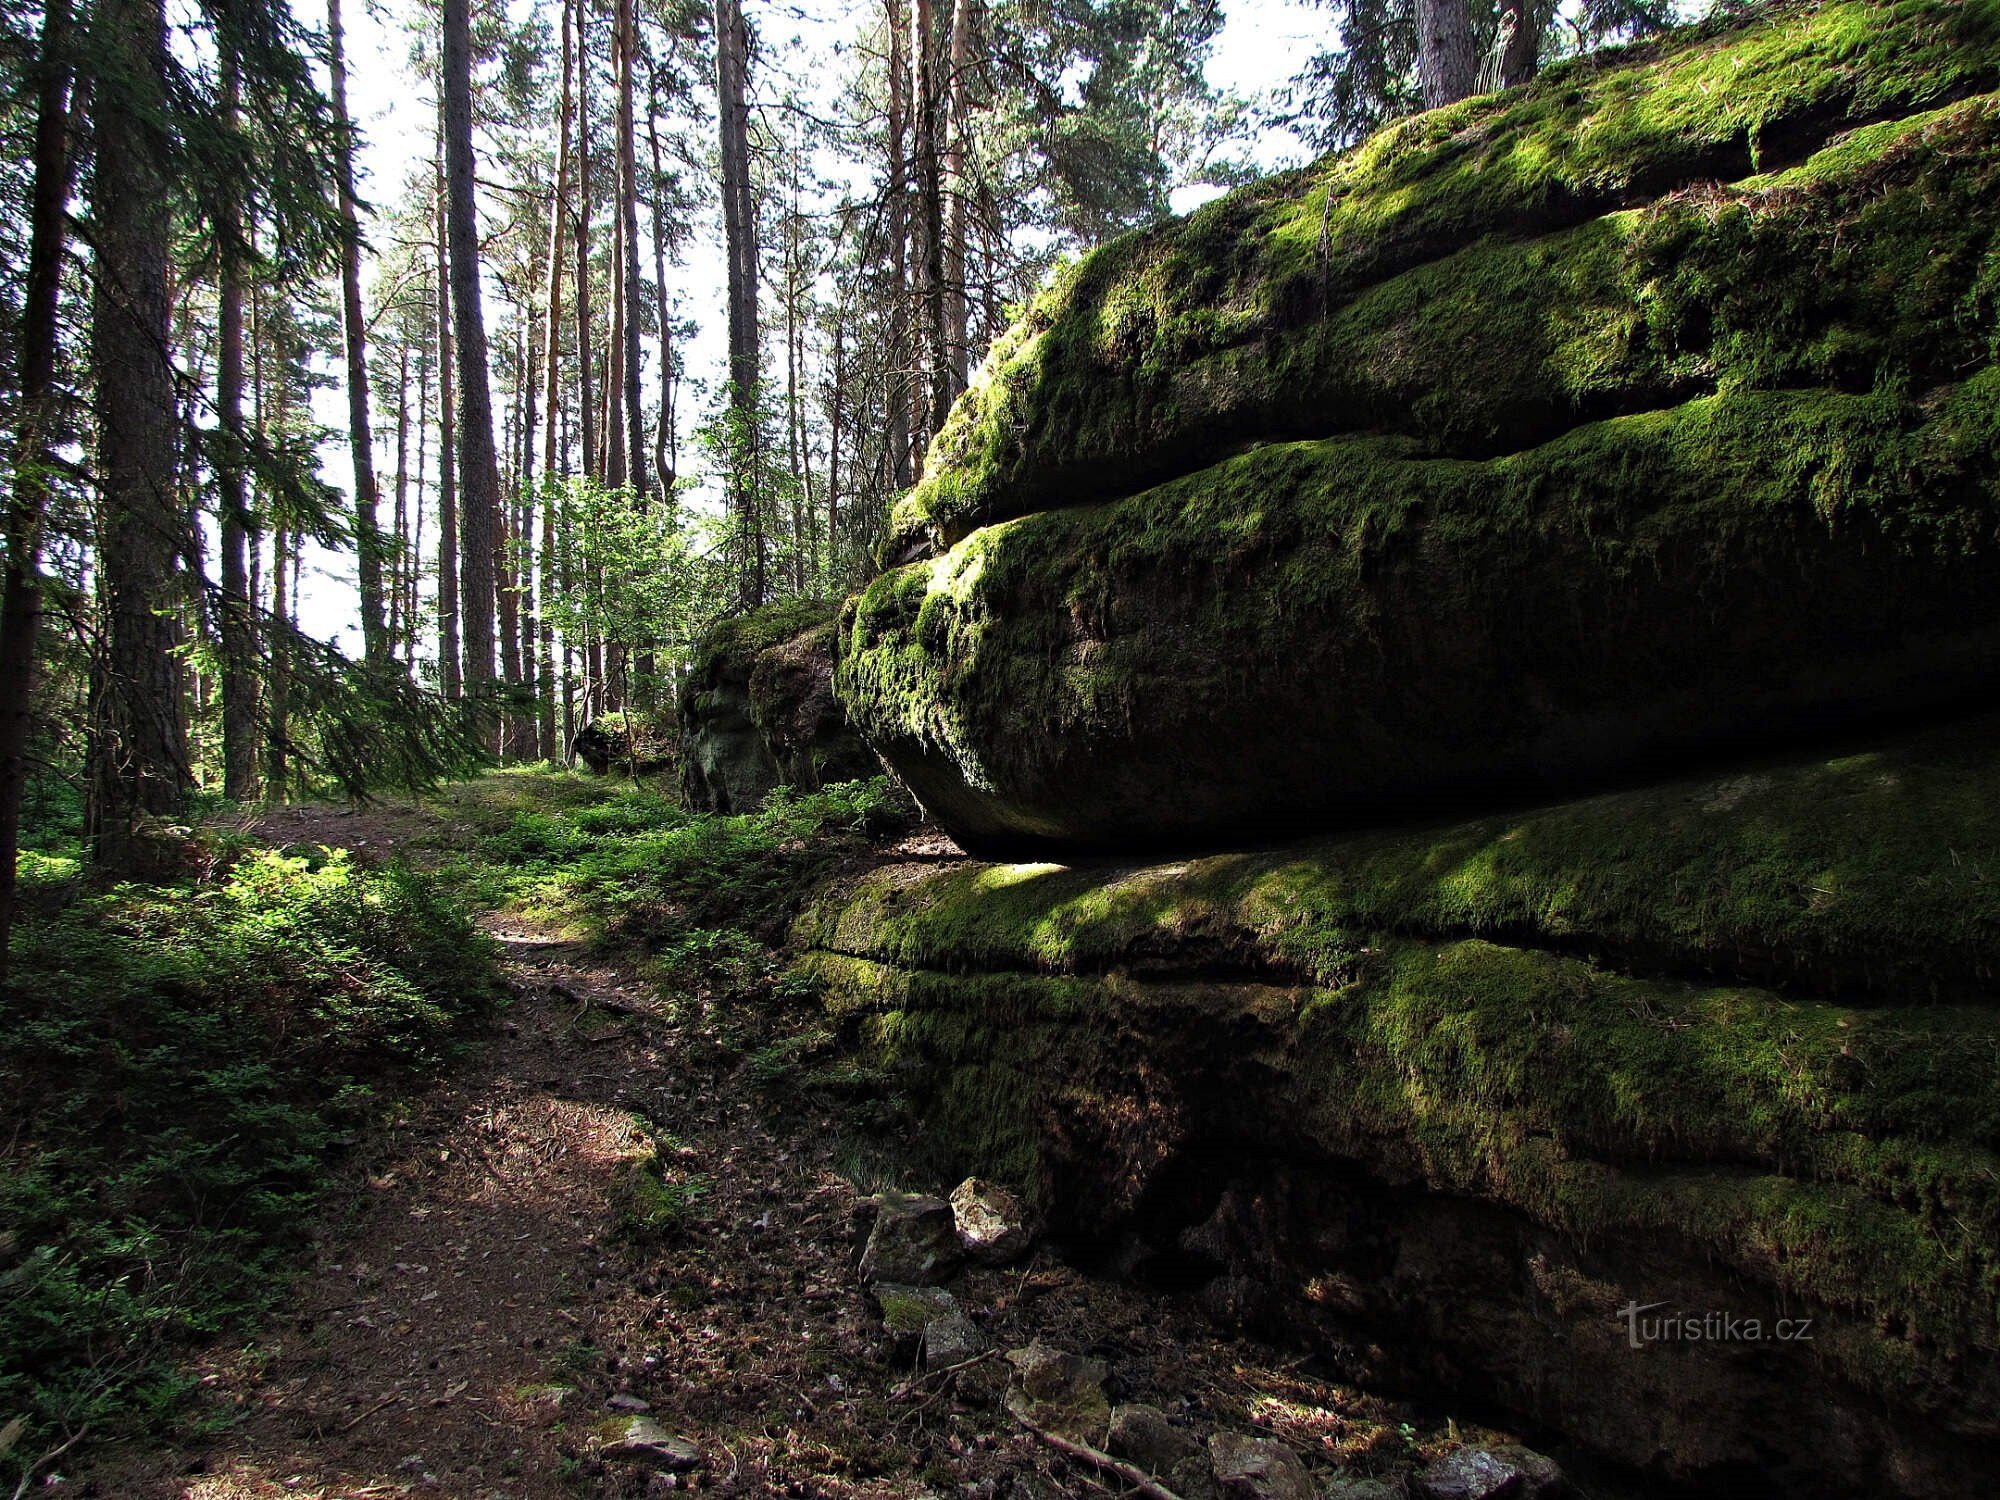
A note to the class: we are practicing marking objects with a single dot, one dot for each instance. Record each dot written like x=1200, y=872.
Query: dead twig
x=388, y=1400
x=28, y=1474
x=1136, y=1477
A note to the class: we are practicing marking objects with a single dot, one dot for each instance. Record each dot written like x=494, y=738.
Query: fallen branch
x=388, y=1400
x=28, y=1474
x=1138, y=1478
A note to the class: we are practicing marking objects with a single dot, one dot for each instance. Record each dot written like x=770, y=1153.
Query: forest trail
x=471, y=1308
x=476, y=1306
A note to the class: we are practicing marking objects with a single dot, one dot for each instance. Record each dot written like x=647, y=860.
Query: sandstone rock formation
x=1468, y=1094
x=758, y=711
x=1651, y=409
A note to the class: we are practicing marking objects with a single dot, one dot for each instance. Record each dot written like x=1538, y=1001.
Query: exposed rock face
x=1647, y=410
x=758, y=710
x=1471, y=1093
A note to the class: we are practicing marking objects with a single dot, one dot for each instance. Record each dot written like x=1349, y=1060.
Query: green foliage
x=634, y=868
x=633, y=575
x=179, y=1064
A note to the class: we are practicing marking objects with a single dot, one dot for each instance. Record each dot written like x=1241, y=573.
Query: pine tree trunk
x=413, y=567
x=926, y=102
x=20, y=615
x=506, y=564
x=628, y=249
x=1446, y=62
x=478, y=465
x=400, y=553
x=739, y=221
x=836, y=399
x=238, y=611
x=901, y=386
x=585, y=346
x=360, y=432
x=551, y=371
x=665, y=457
x=958, y=352
x=138, y=753
x=1520, y=54
x=278, y=716
x=450, y=672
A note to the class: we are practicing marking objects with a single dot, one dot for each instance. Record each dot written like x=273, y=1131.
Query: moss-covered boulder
x=758, y=710
x=1461, y=1096
x=628, y=742
x=1650, y=409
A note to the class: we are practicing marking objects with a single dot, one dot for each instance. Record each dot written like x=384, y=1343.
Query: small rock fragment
x=644, y=1442
x=625, y=1401
x=1346, y=1488
x=1248, y=1468
x=914, y=1241
x=1143, y=1435
x=951, y=1340
x=1506, y=1473
x=909, y=1309
x=992, y=1224
x=1062, y=1392
x=1541, y=1477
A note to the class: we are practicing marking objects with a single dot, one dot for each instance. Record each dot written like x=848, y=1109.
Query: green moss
x=1754, y=1014
x=1867, y=877
x=1317, y=301
x=1330, y=625
x=732, y=645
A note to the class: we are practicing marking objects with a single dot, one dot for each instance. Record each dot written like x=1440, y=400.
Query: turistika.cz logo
x=1645, y=1324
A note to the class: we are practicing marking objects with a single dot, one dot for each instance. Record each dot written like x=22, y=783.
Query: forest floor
x=479, y=1301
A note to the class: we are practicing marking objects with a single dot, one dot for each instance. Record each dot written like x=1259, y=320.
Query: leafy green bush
x=177, y=1067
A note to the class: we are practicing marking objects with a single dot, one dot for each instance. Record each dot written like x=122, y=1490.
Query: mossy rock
x=758, y=710
x=1650, y=410
x=629, y=742
x=1728, y=1044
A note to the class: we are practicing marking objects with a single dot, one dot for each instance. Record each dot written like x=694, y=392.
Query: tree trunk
x=238, y=611
x=506, y=563
x=926, y=101
x=278, y=719
x=413, y=568
x=20, y=616
x=666, y=458
x=360, y=432
x=586, y=404
x=551, y=392
x=901, y=386
x=450, y=673
x=836, y=400
x=1446, y=62
x=739, y=222
x=478, y=465
x=1521, y=43
x=628, y=250
x=139, y=760
x=958, y=352
x=399, y=555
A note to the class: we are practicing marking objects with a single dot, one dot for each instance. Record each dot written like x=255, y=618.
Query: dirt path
x=477, y=1307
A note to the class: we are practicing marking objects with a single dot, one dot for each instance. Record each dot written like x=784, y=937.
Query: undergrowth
x=625, y=866
x=179, y=1066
